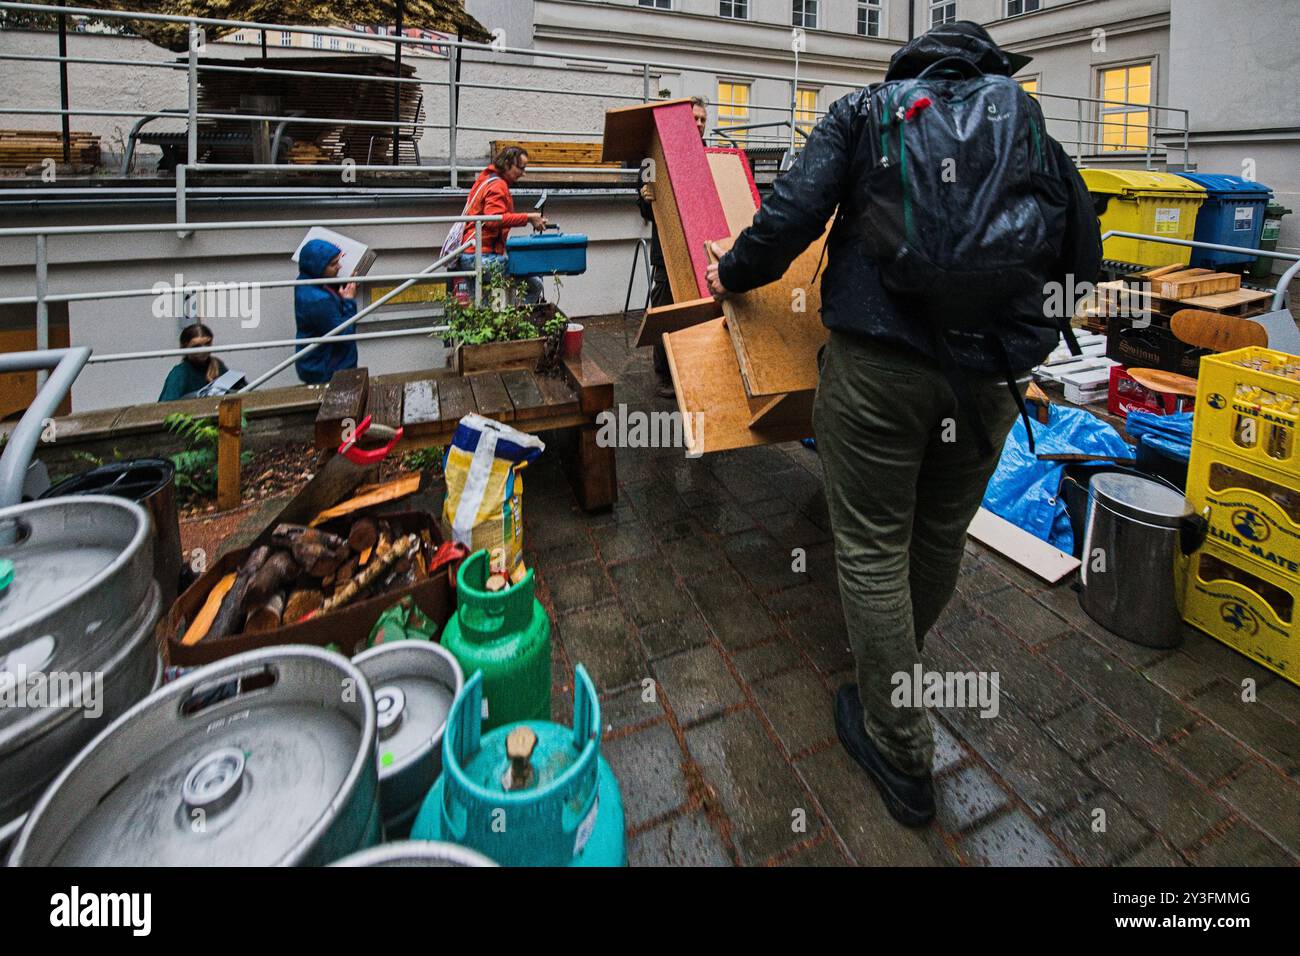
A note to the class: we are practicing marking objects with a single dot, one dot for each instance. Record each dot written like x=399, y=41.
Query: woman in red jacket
x=490, y=196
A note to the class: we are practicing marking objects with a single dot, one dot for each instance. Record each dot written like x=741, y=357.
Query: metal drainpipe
x=192, y=130
x=453, y=95
x=911, y=19
x=42, y=307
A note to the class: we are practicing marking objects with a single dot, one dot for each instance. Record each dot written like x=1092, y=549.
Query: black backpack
x=966, y=208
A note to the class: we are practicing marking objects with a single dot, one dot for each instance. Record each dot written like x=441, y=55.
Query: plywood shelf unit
x=745, y=370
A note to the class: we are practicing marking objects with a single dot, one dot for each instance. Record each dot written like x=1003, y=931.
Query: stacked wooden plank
x=20, y=148
x=555, y=152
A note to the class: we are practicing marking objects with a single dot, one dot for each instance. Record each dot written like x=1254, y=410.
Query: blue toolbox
x=544, y=254
x=1232, y=215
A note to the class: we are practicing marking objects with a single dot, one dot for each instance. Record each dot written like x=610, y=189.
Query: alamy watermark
x=947, y=689
x=621, y=427
x=208, y=300
x=64, y=690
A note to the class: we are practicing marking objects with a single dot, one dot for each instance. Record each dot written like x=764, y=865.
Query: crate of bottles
x=1252, y=510
x=1248, y=404
x=1246, y=605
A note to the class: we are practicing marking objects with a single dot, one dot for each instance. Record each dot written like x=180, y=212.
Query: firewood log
x=301, y=603
x=273, y=576
x=319, y=552
x=378, y=567
x=266, y=616
x=363, y=534
x=231, y=613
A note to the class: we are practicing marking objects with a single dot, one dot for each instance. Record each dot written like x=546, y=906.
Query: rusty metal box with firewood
x=347, y=626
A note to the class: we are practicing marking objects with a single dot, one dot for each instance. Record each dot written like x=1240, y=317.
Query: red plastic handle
x=372, y=456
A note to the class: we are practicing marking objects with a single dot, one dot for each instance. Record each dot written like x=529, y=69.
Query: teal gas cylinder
x=532, y=793
x=506, y=635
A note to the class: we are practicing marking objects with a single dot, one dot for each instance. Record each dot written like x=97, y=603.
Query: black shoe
x=910, y=800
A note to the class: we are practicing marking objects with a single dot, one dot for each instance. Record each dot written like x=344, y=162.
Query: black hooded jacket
x=831, y=173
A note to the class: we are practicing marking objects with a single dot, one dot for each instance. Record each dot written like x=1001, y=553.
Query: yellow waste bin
x=1154, y=204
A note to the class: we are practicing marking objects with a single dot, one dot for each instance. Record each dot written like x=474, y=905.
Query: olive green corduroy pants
x=904, y=478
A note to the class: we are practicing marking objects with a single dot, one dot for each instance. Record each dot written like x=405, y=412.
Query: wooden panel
x=1031, y=553
x=495, y=356
x=17, y=389
x=230, y=415
x=344, y=400
x=490, y=397
x=628, y=129
x=698, y=204
x=675, y=317
x=736, y=189
x=711, y=395
x=555, y=152
x=785, y=412
x=672, y=238
x=524, y=394
x=385, y=405
x=560, y=397
x=777, y=345
x=421, y=412
x=455, y=399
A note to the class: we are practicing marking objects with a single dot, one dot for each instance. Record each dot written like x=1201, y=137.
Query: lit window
x=734, y=9
x=317, y=40
x=1017, y=7
x=942, y=11
x=334, y=43
x=656, y=4
x=733, y=106
x=805, y=113
x=805, y=13
x=1030, y=86
x=286, y=38
x=869, y=18
x=1124, y=124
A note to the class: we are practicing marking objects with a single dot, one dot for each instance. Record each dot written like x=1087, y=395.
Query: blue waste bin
x=1232, y=215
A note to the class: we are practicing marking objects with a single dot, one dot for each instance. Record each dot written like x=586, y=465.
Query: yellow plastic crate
x=1248, y=404
x=1253, y=511
x=1154, y=204
x=1247, y=606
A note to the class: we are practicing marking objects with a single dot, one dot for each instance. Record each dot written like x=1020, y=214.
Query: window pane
x=1112, y=83
x=1136, y=130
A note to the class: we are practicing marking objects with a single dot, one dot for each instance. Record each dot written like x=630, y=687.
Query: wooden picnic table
x=430, y=405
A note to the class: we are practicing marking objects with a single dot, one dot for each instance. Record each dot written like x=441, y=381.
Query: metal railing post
x=1078, y=133
x=452, y=113
x=42, y=307
x=645, y=82
x=478, y=265
x=192, y=104
x=181, y=215
x=1151, y=132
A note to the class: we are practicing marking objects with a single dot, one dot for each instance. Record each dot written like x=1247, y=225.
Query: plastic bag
x=404, y=621
x=1024, y=490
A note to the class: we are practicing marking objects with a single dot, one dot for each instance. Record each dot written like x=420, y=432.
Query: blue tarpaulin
x=1023, y=490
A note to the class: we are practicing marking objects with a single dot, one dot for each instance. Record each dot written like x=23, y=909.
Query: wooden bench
x=429, y=406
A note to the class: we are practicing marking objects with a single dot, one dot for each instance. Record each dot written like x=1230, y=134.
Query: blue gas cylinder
x=531, y=793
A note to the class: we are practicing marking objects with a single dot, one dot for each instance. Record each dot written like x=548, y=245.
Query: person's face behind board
x=516, y=172
x=332, y=269
x=701, y=119
x=199, y=359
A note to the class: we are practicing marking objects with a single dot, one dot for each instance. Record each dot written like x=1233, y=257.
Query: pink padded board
x=698, y=205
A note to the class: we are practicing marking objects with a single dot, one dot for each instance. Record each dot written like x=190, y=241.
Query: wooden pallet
x=22, y=148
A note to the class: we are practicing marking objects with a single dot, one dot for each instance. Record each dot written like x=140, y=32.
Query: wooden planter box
x=496, y=356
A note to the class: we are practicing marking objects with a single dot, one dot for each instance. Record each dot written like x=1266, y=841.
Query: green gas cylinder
x=506, y=635
x=531, y=793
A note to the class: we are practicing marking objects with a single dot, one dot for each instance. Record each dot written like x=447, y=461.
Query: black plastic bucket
x=151, y=483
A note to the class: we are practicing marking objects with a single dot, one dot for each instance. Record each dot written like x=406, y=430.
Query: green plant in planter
x=503, y=316
x=196, y=466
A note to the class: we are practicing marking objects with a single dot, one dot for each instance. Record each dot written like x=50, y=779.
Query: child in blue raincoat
x=320, y=308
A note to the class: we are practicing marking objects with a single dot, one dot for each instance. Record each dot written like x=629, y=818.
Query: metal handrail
x=1279, y=292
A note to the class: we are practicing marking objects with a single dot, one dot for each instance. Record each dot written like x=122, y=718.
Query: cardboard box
x=357, y=258
x=348, y=625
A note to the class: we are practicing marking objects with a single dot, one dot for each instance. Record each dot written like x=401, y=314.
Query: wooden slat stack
x=20, y=148
x=556, y=152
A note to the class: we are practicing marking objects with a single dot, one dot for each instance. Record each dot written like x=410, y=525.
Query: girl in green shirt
x=194, y=371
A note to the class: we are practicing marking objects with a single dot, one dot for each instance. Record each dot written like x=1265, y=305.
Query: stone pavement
x=717, y=663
